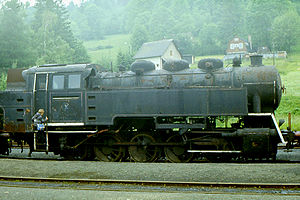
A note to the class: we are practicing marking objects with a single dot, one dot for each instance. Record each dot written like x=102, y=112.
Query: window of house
x=74, y=81
x=171, y=53
x=58, y=82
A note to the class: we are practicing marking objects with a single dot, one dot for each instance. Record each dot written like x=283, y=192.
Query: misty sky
x=65, y=1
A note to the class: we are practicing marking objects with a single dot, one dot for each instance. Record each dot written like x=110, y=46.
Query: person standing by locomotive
x=38, y=120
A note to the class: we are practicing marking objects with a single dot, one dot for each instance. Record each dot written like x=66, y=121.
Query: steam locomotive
x=175, y=113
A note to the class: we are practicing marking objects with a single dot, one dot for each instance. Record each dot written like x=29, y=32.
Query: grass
x=105, y=51
x=289, y=70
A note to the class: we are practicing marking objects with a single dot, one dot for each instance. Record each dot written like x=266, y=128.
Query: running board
x=213, y=151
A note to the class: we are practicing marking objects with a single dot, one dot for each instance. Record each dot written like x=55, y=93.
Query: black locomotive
x=175, y=113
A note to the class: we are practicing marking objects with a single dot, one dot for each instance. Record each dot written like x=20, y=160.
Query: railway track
x=206, y=178
x=157, y=161
x=97, y=183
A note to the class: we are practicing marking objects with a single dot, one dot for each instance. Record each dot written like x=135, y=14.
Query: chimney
x=250, y=41
x=256, y=60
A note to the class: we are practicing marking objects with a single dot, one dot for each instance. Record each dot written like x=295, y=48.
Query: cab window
x=58, y=82
x=74, y=81
x=41, y=82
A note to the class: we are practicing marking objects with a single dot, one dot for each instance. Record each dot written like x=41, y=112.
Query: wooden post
x=289, y=122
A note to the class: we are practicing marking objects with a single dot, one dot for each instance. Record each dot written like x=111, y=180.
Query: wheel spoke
x=105, y=151
x=178, y=153
x=143, y=152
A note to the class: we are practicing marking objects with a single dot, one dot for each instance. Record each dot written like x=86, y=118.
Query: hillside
x=105, y=51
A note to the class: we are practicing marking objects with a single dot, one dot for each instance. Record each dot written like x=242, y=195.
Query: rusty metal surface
x=15, y=75
x=13, y=127
x=15, y=80
x=16, y=111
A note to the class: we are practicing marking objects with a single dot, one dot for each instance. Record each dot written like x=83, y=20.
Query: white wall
x=172, y=53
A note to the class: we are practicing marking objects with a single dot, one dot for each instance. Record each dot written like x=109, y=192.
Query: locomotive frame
x=220, y=113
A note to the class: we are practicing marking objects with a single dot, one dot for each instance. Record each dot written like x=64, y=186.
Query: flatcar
x=175, y=113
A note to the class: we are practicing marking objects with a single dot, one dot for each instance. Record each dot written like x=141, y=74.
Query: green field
x=105, y=51
x=289, y=70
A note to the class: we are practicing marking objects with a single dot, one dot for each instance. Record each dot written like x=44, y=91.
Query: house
x=266, y=53
x=263, y=50
x=158, y=52
x=237, y=47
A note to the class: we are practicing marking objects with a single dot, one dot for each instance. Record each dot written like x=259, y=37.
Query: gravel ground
x=289, y=155
x=200, y=172
x=7, y=193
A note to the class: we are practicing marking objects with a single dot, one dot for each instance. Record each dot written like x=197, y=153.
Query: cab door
x=66, y=98
x=40, y=93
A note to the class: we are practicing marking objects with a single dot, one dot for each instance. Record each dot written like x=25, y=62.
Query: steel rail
x=154, y=183
x=3, y=157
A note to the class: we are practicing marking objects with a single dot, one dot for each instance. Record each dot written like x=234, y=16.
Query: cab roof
x=85, y=69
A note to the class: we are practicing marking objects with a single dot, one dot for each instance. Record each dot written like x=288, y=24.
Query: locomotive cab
x=60, y=91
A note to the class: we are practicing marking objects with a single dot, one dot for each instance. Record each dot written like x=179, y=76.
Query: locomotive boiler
x=176, y=113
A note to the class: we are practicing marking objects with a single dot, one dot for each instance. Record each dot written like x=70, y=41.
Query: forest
x=200, y=27
x=53, y=32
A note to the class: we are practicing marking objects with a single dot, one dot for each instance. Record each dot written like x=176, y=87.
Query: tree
x=15, y=37
x=184, y=42
x=209, y=40
x=134, y=10
x=231, y=20
x=259, y=17
x=2, y=81
x=96, y=18
x=161, y=23
x=57, y=51
x=286, y=31
x=124, y=60
x=209, y=23
x=54, y=39
x=138, y=37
